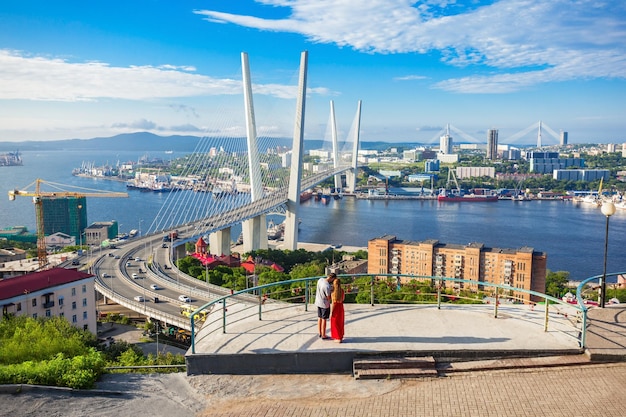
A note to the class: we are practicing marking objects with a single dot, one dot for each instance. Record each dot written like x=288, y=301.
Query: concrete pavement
x=286, y=339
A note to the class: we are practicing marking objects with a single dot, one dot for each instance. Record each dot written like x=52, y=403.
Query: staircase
x=394, y=367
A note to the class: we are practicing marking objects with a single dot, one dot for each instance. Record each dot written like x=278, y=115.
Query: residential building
x=60, y=292
x=520, y=268
x=348, y=265
x=431, y=165
x=492, y=144
x=475, y=172
x=581, y=174
x=547, y=162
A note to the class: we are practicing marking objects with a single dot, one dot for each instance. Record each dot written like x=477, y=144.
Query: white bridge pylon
x=254, y=229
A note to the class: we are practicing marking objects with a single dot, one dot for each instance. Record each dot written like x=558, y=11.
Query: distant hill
x=145, y=141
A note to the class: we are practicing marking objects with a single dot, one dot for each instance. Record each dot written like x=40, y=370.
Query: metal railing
x=584, y=304
x=501, y=299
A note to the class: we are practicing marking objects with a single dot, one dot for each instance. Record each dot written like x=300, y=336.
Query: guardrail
x=580, y=290
x=519, y=303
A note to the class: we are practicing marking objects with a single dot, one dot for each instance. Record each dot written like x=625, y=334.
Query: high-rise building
x=445, y=142
x=65, y=214
x=492, y=144
x=520, y=268
x=563, y=138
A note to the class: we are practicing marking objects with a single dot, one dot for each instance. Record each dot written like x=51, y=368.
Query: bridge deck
x=286, y=340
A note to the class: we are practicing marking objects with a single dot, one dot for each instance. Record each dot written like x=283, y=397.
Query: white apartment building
x=61, y=292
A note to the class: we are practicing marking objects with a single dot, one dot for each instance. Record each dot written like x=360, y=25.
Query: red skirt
x=337, y=318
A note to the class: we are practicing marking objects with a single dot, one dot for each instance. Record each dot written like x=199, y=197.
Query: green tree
x=184, y=264
x=556, y=283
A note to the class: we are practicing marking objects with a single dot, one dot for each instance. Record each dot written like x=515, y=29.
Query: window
x=48, y=313
x=84, y=288
x=74, y=320
x=34, y=302
x=73, y=291
x=84, y=315
x=19, y=307
x=60, y=301
x=84, y=302
x=86, y=327
x=34, y=315
x=73, y=305
x=62, y=315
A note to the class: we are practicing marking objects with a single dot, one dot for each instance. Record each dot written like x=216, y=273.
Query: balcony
x=49, y=304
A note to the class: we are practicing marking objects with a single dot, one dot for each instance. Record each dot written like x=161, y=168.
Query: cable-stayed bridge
x=228, y=180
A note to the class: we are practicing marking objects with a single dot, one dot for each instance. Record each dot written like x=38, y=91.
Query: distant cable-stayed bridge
x=539, y=127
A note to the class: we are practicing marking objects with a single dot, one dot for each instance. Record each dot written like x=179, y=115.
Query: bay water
x=572, y=235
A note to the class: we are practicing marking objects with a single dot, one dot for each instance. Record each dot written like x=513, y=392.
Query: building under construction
x=65, y=214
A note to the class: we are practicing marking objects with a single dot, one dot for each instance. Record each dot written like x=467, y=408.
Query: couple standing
x=329, y=302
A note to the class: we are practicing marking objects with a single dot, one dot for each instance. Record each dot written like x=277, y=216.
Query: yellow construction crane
x=58, y=190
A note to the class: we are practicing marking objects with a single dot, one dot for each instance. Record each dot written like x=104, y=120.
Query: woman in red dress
x=337, y=315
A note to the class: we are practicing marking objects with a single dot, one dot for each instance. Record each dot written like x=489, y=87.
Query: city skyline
x=76, y=70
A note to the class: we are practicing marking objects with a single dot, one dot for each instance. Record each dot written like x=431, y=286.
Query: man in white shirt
x=322, y=302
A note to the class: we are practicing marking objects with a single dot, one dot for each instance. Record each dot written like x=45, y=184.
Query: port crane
x=58, y=191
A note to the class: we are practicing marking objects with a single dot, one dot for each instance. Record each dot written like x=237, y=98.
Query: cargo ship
x=10, y=159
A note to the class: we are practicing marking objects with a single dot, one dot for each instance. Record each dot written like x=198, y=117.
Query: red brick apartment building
x=521, y=268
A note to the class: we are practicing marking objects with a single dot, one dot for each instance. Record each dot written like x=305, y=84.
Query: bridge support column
x=295, y=176
x=255, y=233
x=219, y=242
x=351, y=174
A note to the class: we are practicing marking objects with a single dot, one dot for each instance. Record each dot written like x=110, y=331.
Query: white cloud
x=538, y=39
x=49, y=79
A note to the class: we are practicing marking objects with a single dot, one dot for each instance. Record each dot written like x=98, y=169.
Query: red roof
x=37, y=281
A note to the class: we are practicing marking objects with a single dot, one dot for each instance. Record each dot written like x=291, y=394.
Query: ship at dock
x=10, y=159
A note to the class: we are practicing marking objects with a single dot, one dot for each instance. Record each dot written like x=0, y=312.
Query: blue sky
x=83, y=69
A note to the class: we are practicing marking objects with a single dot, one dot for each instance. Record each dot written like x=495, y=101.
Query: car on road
x=128, y=264
x=154, y=287
x=139, y=298
x=135, y=275
x=164, y=246
x=75, y=262
x=105, y=275
x=137, y=259
x=116, y=257
x=184, y=299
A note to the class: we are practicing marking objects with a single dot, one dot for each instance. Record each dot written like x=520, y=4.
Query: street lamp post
x=608, y=209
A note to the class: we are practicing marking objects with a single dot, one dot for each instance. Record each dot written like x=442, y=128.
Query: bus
x=187, y=309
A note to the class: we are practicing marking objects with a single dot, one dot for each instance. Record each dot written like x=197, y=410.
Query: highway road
x=141, y=267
